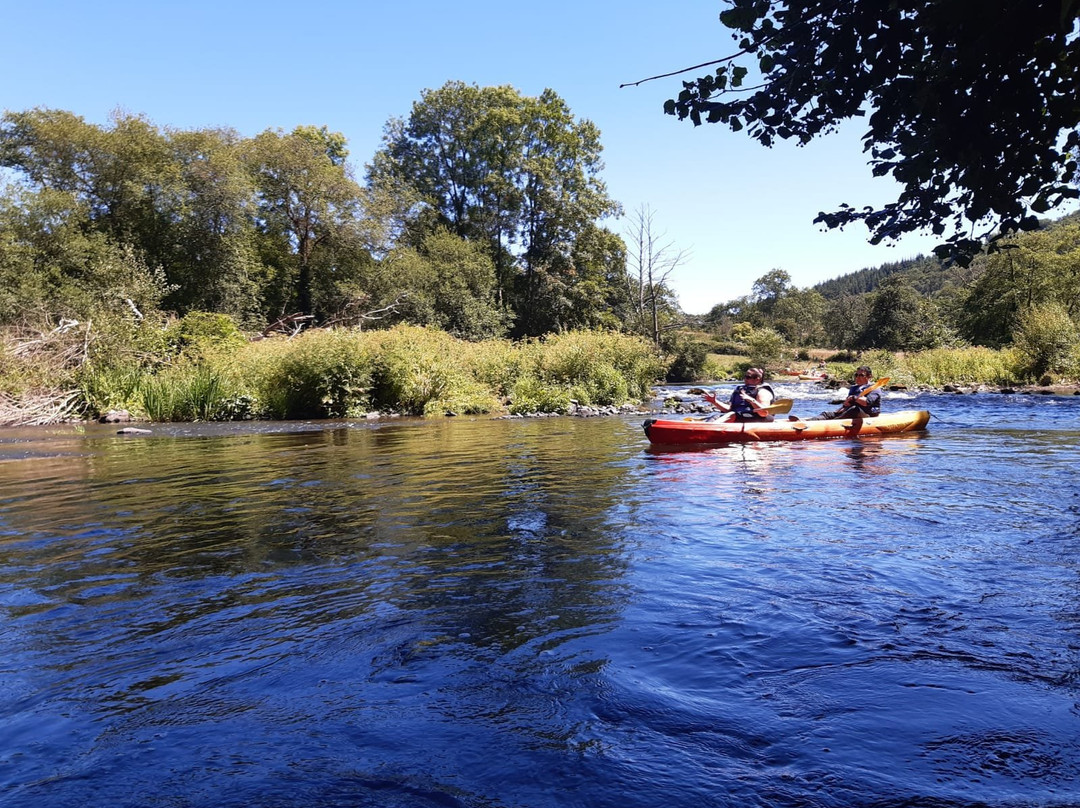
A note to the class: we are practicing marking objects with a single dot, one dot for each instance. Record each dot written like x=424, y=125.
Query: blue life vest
x=744, y=409
x=873, y=402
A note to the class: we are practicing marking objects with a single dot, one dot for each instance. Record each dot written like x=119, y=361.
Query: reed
x=942, y=366
x=183, y=393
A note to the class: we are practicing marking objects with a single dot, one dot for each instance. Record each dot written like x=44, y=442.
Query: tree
x=180, y=200
x=845, y=320
x=446, y=282
x=651, y=260
x=972, y=106
x=901, y=319
x=798, y=314
x=597, y=291
x=517, y=174
x=769, y=289
x=1047, y=338
x=1030, y=270
x=307, y=205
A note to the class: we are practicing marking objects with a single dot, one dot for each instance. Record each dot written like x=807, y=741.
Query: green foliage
x=1047, y=340
x=110, y=386
x=934, y=82
x=765, y=347
x=420, y=371
x=901, y=320
x=722, y=366
x=942, y=366
x=320, y=374
x=183, y=393
x=199, y=332
x=742, y=331
x=446, y=283
x=502, y=169
x=499, y=364
x=531, y=395
x=688, y=362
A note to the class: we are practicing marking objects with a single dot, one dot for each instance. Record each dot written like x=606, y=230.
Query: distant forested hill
x=926, y=274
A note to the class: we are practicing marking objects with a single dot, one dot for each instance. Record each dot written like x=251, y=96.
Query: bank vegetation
x=470, y=266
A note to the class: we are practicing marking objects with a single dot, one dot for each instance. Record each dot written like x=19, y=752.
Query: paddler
x=749, y=397
x=856, y=405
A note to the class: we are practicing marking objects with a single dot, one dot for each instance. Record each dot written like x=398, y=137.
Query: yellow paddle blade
x=780, y=406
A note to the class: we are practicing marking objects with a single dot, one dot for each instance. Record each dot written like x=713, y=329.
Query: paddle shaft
x=863, y=393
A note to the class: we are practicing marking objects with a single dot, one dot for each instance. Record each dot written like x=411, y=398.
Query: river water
x=543, y=612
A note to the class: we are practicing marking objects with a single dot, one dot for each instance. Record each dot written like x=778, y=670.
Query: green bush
x=423, y=371
x=531, y=395
x=1046, y=339
x=199, y=332
x=320, y=374
x=688, y=362
x=764, y=347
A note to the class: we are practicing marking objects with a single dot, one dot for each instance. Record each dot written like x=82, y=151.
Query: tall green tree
x=518, y=174
x=770, y=289
x=797, y=315
x=901, y=319
x=180, y=201
x=971, y=106
x=307, y=209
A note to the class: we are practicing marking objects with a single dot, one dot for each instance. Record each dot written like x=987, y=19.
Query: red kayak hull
x=694, y=432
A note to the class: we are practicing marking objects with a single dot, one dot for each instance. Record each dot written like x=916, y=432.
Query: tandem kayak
x=684, y=432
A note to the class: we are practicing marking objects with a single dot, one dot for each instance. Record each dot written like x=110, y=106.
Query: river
x=543, y=612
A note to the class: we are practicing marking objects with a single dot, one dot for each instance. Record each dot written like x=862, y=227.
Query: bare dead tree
x=651, y=261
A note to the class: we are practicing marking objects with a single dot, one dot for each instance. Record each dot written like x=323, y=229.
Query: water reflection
x=538, y=613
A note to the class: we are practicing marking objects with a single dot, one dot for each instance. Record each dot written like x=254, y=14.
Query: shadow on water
x=540, y=612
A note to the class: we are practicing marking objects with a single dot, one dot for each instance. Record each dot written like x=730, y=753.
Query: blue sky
x=738, y=209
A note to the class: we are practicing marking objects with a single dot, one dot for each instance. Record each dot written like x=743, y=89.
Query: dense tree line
x=482, y=214
x=1031, y=281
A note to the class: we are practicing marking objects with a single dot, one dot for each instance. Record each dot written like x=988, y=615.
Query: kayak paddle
x=879, y=383
x=778, y=407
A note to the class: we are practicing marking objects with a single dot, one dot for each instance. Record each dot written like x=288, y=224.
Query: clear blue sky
x=737, y=208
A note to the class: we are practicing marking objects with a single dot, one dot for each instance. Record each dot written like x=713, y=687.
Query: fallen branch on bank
x=39, y=409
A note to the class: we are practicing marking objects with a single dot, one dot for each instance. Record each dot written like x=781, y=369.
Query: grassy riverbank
x=205, y=370
x=202, y=368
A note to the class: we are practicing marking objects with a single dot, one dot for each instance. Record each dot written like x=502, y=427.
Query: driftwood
x=290, y=325
x=66, y=346
x=38, y=409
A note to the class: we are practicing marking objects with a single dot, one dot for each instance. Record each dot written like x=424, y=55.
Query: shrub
x=1046, y=339
x=764, y=346
x=688, y=362
x=198, y=332
x=942, y=366
x=320, y=374
x=530, y=395
x=423, y=371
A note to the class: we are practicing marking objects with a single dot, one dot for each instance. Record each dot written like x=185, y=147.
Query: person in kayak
x=856, y=405
x=747, y=398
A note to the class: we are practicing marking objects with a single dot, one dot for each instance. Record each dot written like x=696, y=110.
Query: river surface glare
x=543, y=612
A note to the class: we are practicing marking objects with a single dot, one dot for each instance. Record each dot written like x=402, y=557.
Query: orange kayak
x=683, y=432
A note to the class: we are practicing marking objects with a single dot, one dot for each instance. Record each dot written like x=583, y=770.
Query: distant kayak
x=812, y=377
x=693, y=432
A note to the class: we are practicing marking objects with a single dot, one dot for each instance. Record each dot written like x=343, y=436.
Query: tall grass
x=937, y=367
x=183, y=393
